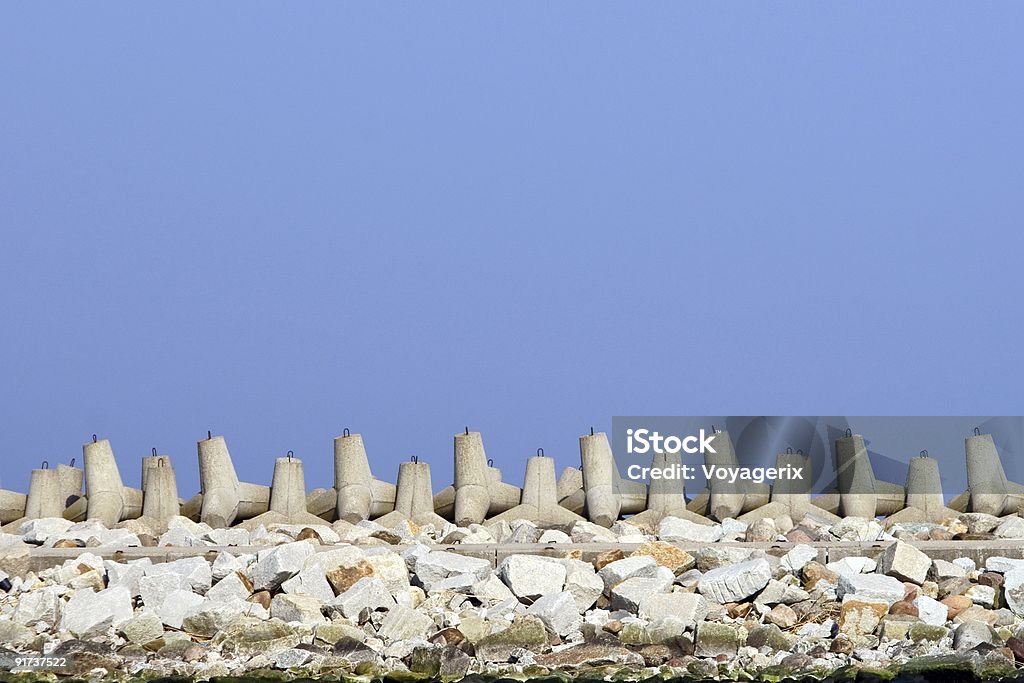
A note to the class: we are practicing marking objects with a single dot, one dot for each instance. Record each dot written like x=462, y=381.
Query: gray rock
x=1013, y=590
x=313, y=582
x=971, y=634
x=628, y=594
x=436, y=565
x=172, y=611
x=403, y=623
x=558, y=611
x=234, y=586
x=689, y=608
x=905, y=562
x=585, y=586
x=529, y=577
x=736, y=582
x=39, y=606
x=194, y=570
x=676, y=529
x=365, y=594
x=871, y=587
x=798, y=557
x=275, y=566
x=715, y=639
x=144, y=627
x=637, y=566
x=304, y=609
x=88, y=613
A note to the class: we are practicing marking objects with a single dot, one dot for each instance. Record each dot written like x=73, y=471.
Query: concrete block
x=360, y=495
x=414, y=498
x=226, y=499
x=110, y=501
x=539, y=497
x=479, y=491
x=924, y=502
x=790, y=496
x=159, y=488
x=860, y=493
x=607, y=495
x=666, y=497
x=990, y=491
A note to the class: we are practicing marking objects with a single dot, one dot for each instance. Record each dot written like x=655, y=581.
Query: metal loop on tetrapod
x=923, y=454
x=799, y=451
x=73, y=462
x=209, y=435
x=849, y=432
x=540, y=451
x=415, y=459
x=154, y=450
x=290, y=455
x=46, y=465
x=977, y=431
x=94, y=439
x=346, y=432
x=789, y=451
x=490, y=462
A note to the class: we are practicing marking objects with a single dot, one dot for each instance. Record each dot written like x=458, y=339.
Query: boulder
x=529, y=577
x=736, y=582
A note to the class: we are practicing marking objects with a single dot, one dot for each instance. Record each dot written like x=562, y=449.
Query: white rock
x=275, y=566
x=1010, y=527
x=155, y=590
x=438, y=564
x=312, y=582
x=402, y=623
x=365, y=594
x=852, y=565
x=145, y=627
x=39, y=530
x=529, y=576
x=584, y=585
x=88, y=613
x=172, y=611
x=947, y=570
x=390, y=568
x=588, y=532
x=304, y=609
x=965, y=563
x=870, y=587
x=688, y=607
x=1002, y=565
x=554, y=536
x=558, y=612
x=636, y=566
x=214, y=615
x=41, y=605
x=735, y=582
x=127, y=574
x=489, y=590
x=292, y=658
x=676, y=529
x=798, y=557
x=225, y=563
x=234, y=586
x=628, y=594
x=905, y=562
x=982, y=595
x=931, y=611
x=195, y=570
x=226, y=537
x=856, y=529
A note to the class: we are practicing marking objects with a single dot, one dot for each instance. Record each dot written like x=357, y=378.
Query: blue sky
x=276, y=221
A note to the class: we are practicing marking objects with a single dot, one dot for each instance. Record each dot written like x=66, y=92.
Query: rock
x=607, y=557
x=177, y=604
x=716, y=640
x=88, y=613
x=676, y=529
x=856, y=529
x=249, y=636
x=905, y=562
x=769, y=636
x=971, y=634
x=778, y=591
x=640, y=566
x=438, y=564
x=798, y=557
x=997, y=563
x=736, y=582
x=490, y=590
x=955, y=604
x=212, y=615
x=931, y=611
x=526, y=632
x=14, y=559
x=712, y=557
x=304, y=609
x=144, y=627
x=588, y=532
x=982, y=595
x=312, y=581
x=275, y=566
x=558, y=612
x=627, y=595
x=761, y=531
x=979, y=522
x=390, y=568
x=194, y=571
x=782, y=616
x=871, y=587
x=39, y=606
x=155, y=590
x=584, y=585
x=38, y=531
x=126, y=574
x=689, y=608
x=941, y=569
x=531, y=577
x=860, y=616
x=667, y=555
x=367, y=594
x=813, y=572
x=344, y=576
x=921, y=631
x=1013, y=590
x=852, y=565
x=233, y=586
x=554, y=536
x=15, y=635
x=590, y=655
x=402, y=623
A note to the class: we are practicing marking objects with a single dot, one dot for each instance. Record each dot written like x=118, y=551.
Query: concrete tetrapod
x=991, y=492
x=791, y=497
x=414, y=498
x=723, y=499
x=570, y=491
x=44, y=494
x=666, y=497
x=925, y=502
x=860, y=493
x=287, y=497
x=479, y=490
x=110, y=501
x=360, y=494
x=12, y=506
x=72, y=479
x=225, y=499
x=159, y=488
x=540, y=497
x=607, y=494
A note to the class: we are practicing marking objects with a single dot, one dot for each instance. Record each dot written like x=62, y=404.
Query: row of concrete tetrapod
x=596, y=491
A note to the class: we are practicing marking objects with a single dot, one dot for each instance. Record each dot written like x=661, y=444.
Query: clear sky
x=275, y=221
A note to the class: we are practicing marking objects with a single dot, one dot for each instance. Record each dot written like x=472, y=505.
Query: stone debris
x=368, y=600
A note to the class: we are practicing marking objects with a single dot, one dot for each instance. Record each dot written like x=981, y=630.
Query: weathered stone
x=782, y=616
x=402, y=623
x=667, y=555
x=558, y=612
x=871, y=587
x=905, y=562
x=640, y=566
x=145, y=627
x=531, y=577
x=734, y=583
x=716, y=639
x=607, y=557
x=769, y=636
x=343, y=577
x=955, y=604
x=195, y=571
x=584, y=585
x=859, y=616
x=367, y=594
x=252, y=636
x=589, y=655
x=982, y=595
x=526, y=632
x=301, y=608
x=931, y=611
x=175, y=606
x=39, y=606
x=88, y=613
x=798, y=557
x=689, y=608
x=274, y=567
x=312, y=581
x=390, y=568
x=627, y=595
x=676, y=529
x=1013, y=590
x=438, y=564
x=971, y=634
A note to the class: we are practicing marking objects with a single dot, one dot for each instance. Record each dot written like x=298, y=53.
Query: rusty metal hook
x=591, y=431
x=789, y=451
x=415, y=458
x=799, y=451
x=467, y=431
x=290, y=454
x=209, y=435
